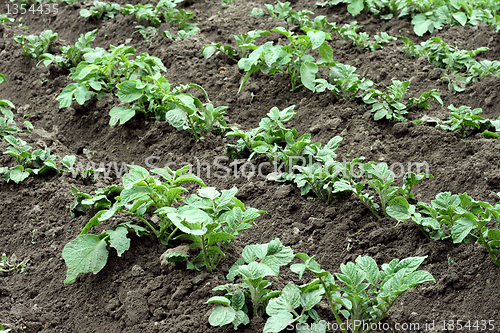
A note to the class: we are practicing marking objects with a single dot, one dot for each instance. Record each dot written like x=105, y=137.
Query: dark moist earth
x=135, y=293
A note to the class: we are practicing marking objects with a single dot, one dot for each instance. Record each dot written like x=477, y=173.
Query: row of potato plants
x=454, y=62
x=151, y=96
x=163, y=12
x=428, y=15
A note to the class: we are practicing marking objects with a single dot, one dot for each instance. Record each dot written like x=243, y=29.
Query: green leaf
x=209, y=192
x=120, y=113
x=227, y=196
x=287, y=301
x=238, y=300
x=398, y=208
x=418, y=277
x=218, y=237
x=461, y=229
x=421, y=24
x=278, y=322
x=369, y=266
x=317, y=38
x=219, y=300
x=177, y=118
x=119, y=240
x=222, y=315
x=128, y=92
x=134, y=193
x=86, y=253
x=355, y=7
x=461, y=18
x=17, y=175
x=308, y=72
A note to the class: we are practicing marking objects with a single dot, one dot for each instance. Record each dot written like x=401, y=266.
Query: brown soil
x=134, y=293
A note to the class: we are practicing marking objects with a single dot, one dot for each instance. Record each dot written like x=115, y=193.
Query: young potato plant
x=391, y=105
x=101, y=11
x=380, y=178
x=245, y=43
x=455, y=216
x=8, y=127
x=185, y=31
x=465, y=121
x=349, y=31
x=455, y=62
x=38, y=162
x=33, y=46
x=364, y=293
x=262, y=139
x=258, y=261
x=343, y=79
x=317, y=178
x=141, y=192
x=350, y=182
x=70, y=56
x=164, y=11
x=291, y=59
x=211, y=220
x=4, y=18
x=153, y=95
x=7, y=267
x=102, y=71
x=5, y=106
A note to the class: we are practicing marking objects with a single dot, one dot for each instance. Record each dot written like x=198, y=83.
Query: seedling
x=71, y=56
x=455, y=216
x=180, y=109
x=102, y=71
x=33, y=46
x=391, y=105
x=348, y=83
x=7, y=267
x=464, y=120
x=4, y=18
x=258, y=261
x=292, y=59
x=101, y=11
x=211, y=220
x=245, y=45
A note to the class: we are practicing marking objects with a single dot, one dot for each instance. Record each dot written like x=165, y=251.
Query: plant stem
x=157, y=234
x=332, y=304
x=488, y=247
x=205, y=255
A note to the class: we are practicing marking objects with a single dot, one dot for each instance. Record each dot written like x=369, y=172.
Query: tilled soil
x=134, y=293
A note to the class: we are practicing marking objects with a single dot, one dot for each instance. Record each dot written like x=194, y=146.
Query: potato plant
x=34, y=46
x=363, y=292
x=102, y=71
x=292, y=59
x=154, y=95
x=455, y=216
x=466, y=121
x=392, y=106
x=211, y=220
x=101, y=11
x=70, y=56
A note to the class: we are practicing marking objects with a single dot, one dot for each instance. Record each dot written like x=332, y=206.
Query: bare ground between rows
x=134, y=293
